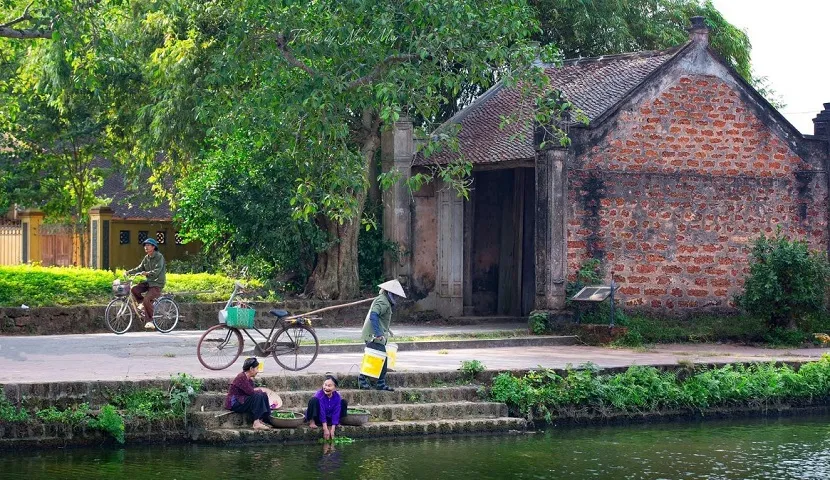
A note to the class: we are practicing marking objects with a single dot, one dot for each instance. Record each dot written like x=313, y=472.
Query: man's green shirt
x=155, y=268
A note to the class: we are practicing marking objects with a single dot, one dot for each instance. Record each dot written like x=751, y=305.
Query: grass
x=38, y=286
x=647, y=330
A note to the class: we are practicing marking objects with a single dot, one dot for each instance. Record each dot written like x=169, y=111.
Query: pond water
x=789, y=448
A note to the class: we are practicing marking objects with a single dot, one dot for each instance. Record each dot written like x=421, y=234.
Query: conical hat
x=393, y=286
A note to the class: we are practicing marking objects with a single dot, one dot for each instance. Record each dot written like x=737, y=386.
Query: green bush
x=471, y=368
x=10, y=413
x=73, y=416
x=46, y=286
x=544, y=393
x=538, y=322
x=786, y=281
x=109, y=421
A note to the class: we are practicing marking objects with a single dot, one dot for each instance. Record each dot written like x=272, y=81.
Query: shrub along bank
x=586, y=393
x=37, y=286
x=124, y=411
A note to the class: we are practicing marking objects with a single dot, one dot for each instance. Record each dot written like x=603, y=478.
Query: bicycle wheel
x=219, y=347
x=165, y=314
x=119, y=315
x=295, y=346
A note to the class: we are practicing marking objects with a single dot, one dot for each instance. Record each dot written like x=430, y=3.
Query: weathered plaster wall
x=672, y=196
x=424, y=242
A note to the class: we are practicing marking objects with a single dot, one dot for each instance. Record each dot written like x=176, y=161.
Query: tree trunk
x=335, y=274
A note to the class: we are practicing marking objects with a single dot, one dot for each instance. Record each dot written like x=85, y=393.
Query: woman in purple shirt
x=326, y=407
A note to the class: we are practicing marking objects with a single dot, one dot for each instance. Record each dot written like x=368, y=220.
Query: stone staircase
x=422, y=404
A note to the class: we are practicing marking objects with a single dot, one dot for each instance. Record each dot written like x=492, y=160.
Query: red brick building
x=681, y=166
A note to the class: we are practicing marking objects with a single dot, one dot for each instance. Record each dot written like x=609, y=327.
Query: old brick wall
x=673, y=196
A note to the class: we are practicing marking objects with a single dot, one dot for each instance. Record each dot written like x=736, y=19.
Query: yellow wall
x=130, y=255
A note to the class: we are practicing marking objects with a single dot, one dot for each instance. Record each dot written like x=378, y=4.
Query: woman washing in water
x=326, y=407
x=244, y=398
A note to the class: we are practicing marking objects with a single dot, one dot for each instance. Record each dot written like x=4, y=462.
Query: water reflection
x=761, y=449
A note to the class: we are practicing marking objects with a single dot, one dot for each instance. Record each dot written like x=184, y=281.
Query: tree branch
x=379, y=69
x=7, y=32
x=282, y=44
x=21, y=18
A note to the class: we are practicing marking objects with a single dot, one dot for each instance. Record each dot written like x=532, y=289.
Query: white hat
x=393, y=286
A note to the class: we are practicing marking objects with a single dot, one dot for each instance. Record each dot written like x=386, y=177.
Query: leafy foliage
x=471, y=368
x=183, y=388
x=109, y=421
x=74, y=416
x=603, y=27
x=786, y=281
x=55, y=108
x=155, y=403
x=544, y=393
x=538, y=322
x=10, y=413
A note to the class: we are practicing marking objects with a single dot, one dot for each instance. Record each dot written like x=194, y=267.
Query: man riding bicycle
x=153, y=268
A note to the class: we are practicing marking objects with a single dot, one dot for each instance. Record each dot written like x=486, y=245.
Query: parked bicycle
x=292, y=340
x=121, y=309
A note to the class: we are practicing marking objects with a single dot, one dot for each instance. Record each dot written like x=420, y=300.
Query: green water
x=795, y=448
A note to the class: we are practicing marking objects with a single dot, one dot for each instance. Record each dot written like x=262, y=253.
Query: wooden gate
x=11, y=244
x=56, y=245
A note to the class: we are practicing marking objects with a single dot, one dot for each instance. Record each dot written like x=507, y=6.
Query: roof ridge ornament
x=699, y=30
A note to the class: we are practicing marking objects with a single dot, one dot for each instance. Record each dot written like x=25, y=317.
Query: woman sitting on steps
x=243, y=397
x=326, y=407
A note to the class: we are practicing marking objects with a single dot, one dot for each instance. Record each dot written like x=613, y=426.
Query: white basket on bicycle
x=237, y=317
x=120, y=289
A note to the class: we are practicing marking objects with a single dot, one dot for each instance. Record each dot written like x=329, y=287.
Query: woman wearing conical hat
x=376, y=327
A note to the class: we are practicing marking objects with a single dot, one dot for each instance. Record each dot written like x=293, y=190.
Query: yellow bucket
x=372, y=363
x=392, y=355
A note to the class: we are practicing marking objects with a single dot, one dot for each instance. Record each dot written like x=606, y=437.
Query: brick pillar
x=821, y=124
x=30, y=221
x=397, y=152
x=551, y=227
x=100, y=221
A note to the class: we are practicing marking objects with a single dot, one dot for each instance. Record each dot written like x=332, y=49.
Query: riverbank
x=424, y=404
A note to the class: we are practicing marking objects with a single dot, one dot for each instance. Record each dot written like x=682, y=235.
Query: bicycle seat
x=279, y=313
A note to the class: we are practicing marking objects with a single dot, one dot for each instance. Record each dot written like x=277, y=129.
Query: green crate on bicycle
x=240, y=317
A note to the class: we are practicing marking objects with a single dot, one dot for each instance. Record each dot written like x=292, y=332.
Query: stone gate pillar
x=30, y=221
x=100, y=221
x=551, y=227
x=397, y=153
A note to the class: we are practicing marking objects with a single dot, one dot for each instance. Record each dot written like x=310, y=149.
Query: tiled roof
x=132, y=205
x=593, y=85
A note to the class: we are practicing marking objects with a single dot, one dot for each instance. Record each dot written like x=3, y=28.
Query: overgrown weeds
x=546, y=394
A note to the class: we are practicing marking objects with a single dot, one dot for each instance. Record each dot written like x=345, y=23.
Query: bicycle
x=120, y=310
x=292, y=340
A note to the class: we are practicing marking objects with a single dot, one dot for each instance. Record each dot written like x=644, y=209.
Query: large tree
x=312, y=84
x=61, y=73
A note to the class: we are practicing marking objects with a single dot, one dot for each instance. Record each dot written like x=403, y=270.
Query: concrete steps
x=499, y=425
x=379, y=413
x=298, y=399
x=429, y=404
